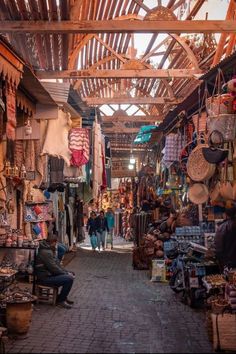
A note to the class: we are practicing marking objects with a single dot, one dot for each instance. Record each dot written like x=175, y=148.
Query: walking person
x=111, y=224
x=92, y=230
x=102, y=229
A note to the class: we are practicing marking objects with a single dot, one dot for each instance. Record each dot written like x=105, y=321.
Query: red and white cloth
x=79, y=146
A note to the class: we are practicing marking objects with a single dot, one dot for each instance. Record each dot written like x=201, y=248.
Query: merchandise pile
x=151, y=246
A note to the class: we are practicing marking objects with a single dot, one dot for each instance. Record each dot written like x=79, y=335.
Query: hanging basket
x=225, y=123
x=198, y=168
x=219, y=104
x=198, y=193
x=224, y=329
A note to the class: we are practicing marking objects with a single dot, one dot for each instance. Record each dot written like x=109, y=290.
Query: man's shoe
x=64, y=305
x=70, y=302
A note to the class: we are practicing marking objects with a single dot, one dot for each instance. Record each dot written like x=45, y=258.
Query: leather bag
x=215, y=152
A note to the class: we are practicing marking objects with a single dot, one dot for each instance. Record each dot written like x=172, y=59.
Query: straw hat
x=198, y=193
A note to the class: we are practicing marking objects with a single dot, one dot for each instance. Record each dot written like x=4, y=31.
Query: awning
x=144, y=134
x=11, y=67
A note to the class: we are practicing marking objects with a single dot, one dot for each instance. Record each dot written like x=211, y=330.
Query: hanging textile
x=29, y=158
x=173, y=146
x=19, y=153
x=108, y=161
x=72, y=173
x=56, y=170
x=38, y=158
x=104, y=177
x=56, y=140
x=79, y=146
x=97, y=159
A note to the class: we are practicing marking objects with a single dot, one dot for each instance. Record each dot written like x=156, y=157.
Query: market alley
x=117, y=310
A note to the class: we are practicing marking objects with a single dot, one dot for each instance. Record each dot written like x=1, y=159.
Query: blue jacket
x=110, y=220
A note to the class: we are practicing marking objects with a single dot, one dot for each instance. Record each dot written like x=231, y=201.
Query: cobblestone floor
x=117, y=310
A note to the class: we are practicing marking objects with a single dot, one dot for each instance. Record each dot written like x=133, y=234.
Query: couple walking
x=99, y=226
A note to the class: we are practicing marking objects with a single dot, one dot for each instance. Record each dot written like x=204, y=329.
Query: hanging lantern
x=22, y=172
x=8, y=169
x=15, y=171
x=28, y=128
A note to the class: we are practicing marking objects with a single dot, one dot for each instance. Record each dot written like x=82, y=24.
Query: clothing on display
x=56, y=140
x=79, y=146
x=97, y=160
x=56, y=170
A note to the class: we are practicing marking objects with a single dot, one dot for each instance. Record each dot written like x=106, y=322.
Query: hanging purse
x=215, y=152
x=226, y=188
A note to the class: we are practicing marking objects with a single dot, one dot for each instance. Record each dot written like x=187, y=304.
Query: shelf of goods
x=37, y=214
x=188, y=234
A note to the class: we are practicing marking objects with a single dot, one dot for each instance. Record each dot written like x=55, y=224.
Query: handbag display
x=221, y=115
x=215, y=152
x=225, y=123
x=226, y=188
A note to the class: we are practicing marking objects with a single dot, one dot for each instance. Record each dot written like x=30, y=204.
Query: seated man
x=49, y=272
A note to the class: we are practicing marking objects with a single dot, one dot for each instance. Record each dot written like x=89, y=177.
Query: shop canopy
x=144, y=134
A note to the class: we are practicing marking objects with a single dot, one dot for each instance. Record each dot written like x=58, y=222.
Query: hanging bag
x=219, y=103
x=226, y=189
x=198, y=168
x=215, y=152
x=219, y=118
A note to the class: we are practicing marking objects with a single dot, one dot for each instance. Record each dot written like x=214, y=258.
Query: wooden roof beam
x=119, y=73
x=120, y=118
x=99, y=101
x=117, y=26
x=120, y=130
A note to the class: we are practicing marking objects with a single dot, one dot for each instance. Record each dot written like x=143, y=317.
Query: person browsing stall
x=225, y=240
x=49, y=271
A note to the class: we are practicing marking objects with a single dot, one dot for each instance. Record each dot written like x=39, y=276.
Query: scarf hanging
x=79, y=146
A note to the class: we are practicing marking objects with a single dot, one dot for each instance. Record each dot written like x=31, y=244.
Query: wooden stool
x=46, y=294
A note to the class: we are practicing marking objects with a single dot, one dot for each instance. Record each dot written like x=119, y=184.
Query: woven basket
x=224, y=330
x=219, y=104
x=209, y=326
x=198, y=168
x=225, y=123
x=219, y=306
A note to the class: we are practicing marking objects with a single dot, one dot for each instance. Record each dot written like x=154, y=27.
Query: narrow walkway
x=117, y=310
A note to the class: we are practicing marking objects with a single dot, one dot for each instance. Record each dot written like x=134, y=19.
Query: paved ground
x=117, y=310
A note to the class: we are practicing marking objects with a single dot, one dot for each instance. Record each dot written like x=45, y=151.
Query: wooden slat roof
x=108, y=51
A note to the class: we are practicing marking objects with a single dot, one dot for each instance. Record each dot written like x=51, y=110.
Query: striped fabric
x=79, y=146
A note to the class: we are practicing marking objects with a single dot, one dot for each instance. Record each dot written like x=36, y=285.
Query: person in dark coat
x=49, y=271
x=102, y=229
x=225, y=240
x=92, y=230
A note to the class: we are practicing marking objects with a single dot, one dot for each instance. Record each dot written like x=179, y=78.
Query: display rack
x=29, y=249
